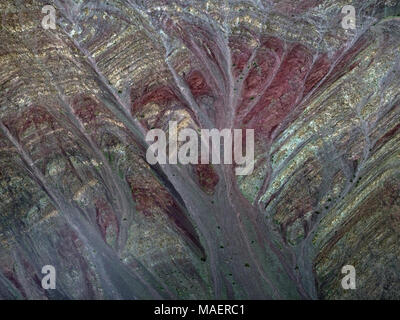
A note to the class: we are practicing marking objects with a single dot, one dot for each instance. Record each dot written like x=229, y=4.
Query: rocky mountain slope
x=77, y=192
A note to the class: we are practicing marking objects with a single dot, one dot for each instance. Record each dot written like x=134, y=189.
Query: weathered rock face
x=77, y=193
